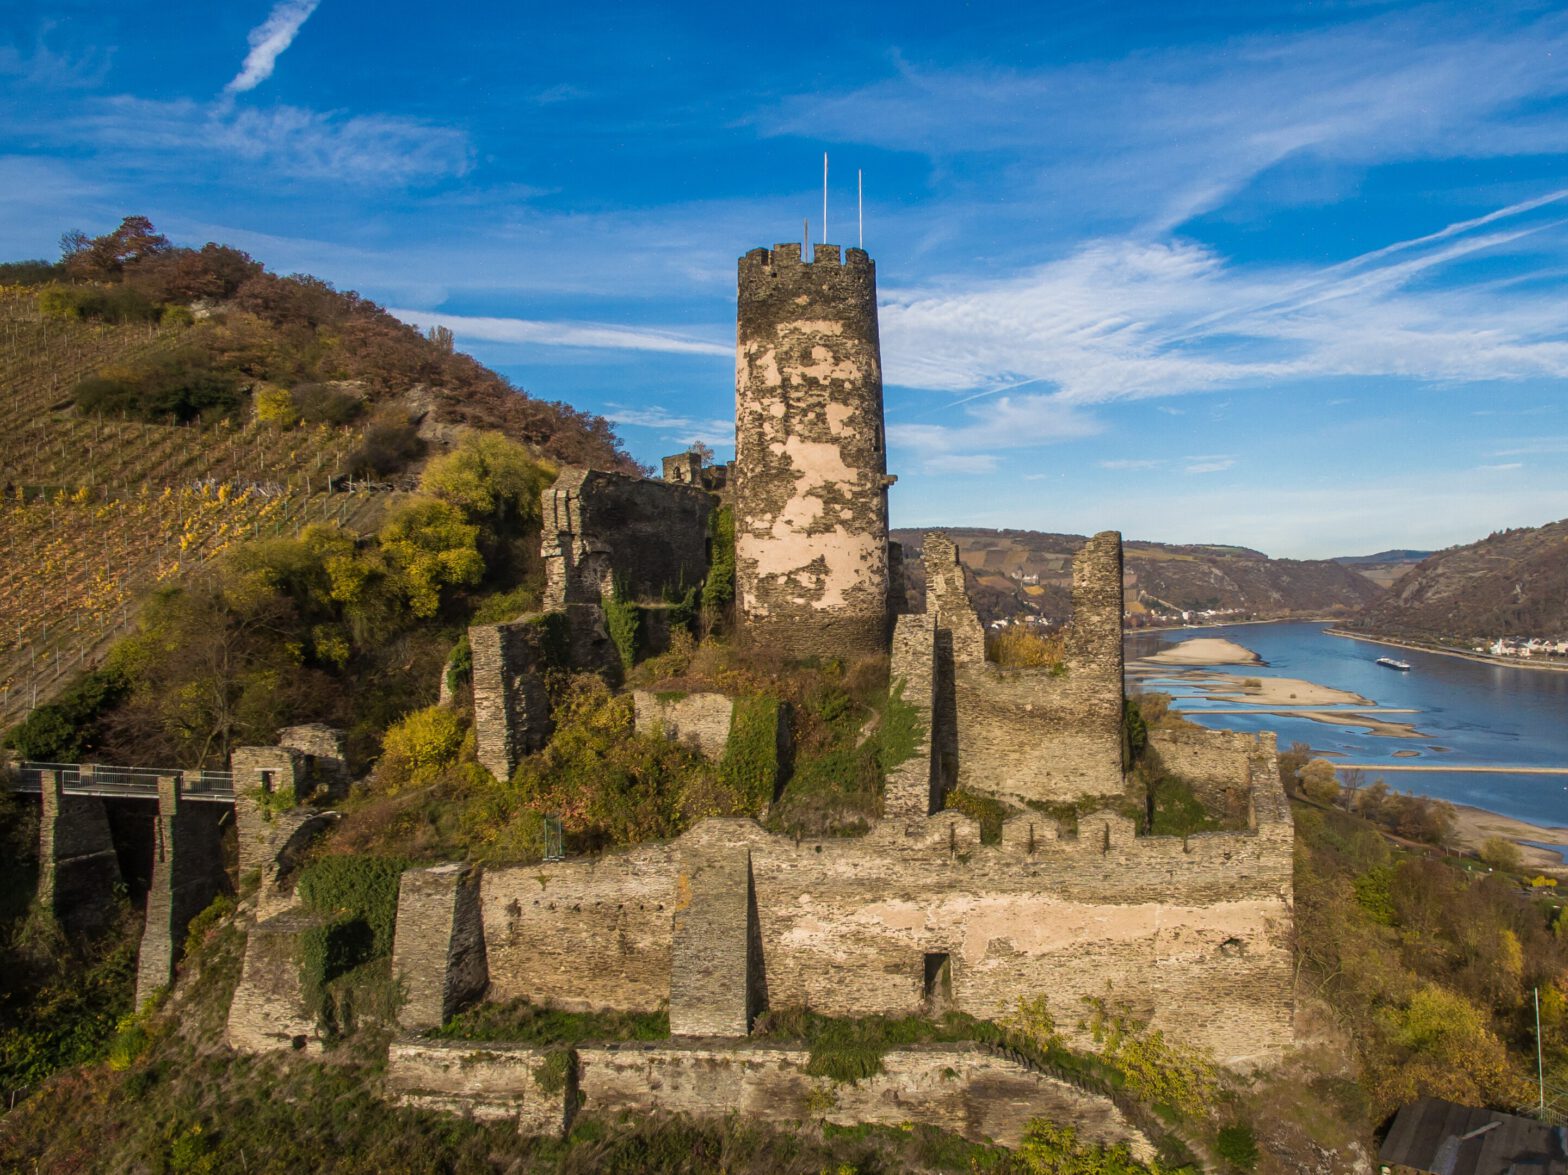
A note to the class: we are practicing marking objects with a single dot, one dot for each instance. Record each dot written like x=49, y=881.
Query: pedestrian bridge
x=94, y=779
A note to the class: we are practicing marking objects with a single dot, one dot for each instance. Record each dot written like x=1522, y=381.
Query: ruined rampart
x=603, y=530
x=850, y=927
x=1047, y=735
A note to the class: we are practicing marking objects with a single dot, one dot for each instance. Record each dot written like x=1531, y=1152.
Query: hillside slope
x=160, y=403
x=1513, y=583
x=1019, y=571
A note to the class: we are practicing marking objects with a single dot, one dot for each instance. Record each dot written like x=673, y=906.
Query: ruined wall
x=810, y=472
x=511, y=707
x=1194, y=933
x=582, y=934
x=605, y=528
x=438, y=956
x=267, y=1013
x=959, y=1087
x=700, y=721
x=912, y=789
x=1221, y=765
x=1030, y=733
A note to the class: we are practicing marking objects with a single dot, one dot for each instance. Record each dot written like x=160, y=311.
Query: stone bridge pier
x=78, y=869
x=187, y=874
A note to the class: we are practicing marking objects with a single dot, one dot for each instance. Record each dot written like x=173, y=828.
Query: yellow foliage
x=417, y=749
x=1018, y=647
x=275, y=406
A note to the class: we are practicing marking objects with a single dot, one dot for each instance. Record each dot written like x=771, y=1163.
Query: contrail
x=268, y=40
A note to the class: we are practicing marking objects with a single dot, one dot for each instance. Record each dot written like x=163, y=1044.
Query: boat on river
x=1390, y=663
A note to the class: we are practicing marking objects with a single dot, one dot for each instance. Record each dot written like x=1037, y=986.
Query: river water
x=1465, y=713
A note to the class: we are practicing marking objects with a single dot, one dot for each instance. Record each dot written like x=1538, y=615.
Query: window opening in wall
x=269, y=782
x=938, y=981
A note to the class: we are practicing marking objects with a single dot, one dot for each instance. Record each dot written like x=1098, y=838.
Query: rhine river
x=1465, y=713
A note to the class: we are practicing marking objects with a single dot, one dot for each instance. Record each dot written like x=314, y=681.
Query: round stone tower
x=811, y=545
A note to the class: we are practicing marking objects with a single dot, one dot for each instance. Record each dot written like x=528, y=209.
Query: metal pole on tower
x=805, y=238
x=860, y=205
x=824, y=196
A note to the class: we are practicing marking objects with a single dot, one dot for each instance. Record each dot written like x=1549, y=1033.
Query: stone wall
x=810, y=472
x=912, y=789
x=1221, y=765
x=491, y=1082
x=700, y=721
x=1182, y=929
x=603, y=528
x=1030, y=734
x=715, y=976
x=438, y=957
x=267, y=1013
x=511, y=706
x=958, y=1087
x=963, y=1088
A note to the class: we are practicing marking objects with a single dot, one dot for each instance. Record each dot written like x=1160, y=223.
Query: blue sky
x=1291, y=276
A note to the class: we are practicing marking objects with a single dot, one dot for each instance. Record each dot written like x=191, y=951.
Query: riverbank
x=1450, y=651
x=1473, y=827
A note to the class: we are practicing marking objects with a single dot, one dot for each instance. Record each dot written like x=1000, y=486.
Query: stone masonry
x=1034, y=734
x=810, y=455
x=78, y=870
x=960, y=1087
x=439, y=953
x=1176, y=927
x=511, y=707
x=607, y=529
x=187, y=874
x=701, y=720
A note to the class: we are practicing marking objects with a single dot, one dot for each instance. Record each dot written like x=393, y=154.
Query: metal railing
x=96, y=779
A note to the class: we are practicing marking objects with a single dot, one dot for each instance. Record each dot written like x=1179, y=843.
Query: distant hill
x=1384, y=567
x=1020, y=571
x=1511, y=583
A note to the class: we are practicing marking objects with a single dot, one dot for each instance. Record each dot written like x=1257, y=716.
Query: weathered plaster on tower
x=810, y=459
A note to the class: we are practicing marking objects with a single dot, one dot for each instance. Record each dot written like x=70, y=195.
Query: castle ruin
x=924, y=913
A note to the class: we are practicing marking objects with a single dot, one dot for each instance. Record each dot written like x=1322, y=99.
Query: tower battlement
x=787, y=256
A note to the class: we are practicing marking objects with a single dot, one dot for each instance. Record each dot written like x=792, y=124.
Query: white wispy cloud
x=1130, y=463
x=563, y=334
x=676, y=427
x=971, y=463
x=267, y=42
x=1161, y=136
x=1215, y=464
x=290, y=140
x=1501, y=466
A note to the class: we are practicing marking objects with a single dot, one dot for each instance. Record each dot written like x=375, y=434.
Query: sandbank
x=1278, y=691
x=1205, y=650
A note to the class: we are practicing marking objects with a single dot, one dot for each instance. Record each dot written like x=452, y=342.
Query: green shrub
x=987, y=811
x=459, y=665
x=554, y=1073
x=359, y=887
x=1237, y=1145
x=750, y=765
x=719, y=588
x=624, y=620
x=63, y=730
x=521, y=1021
